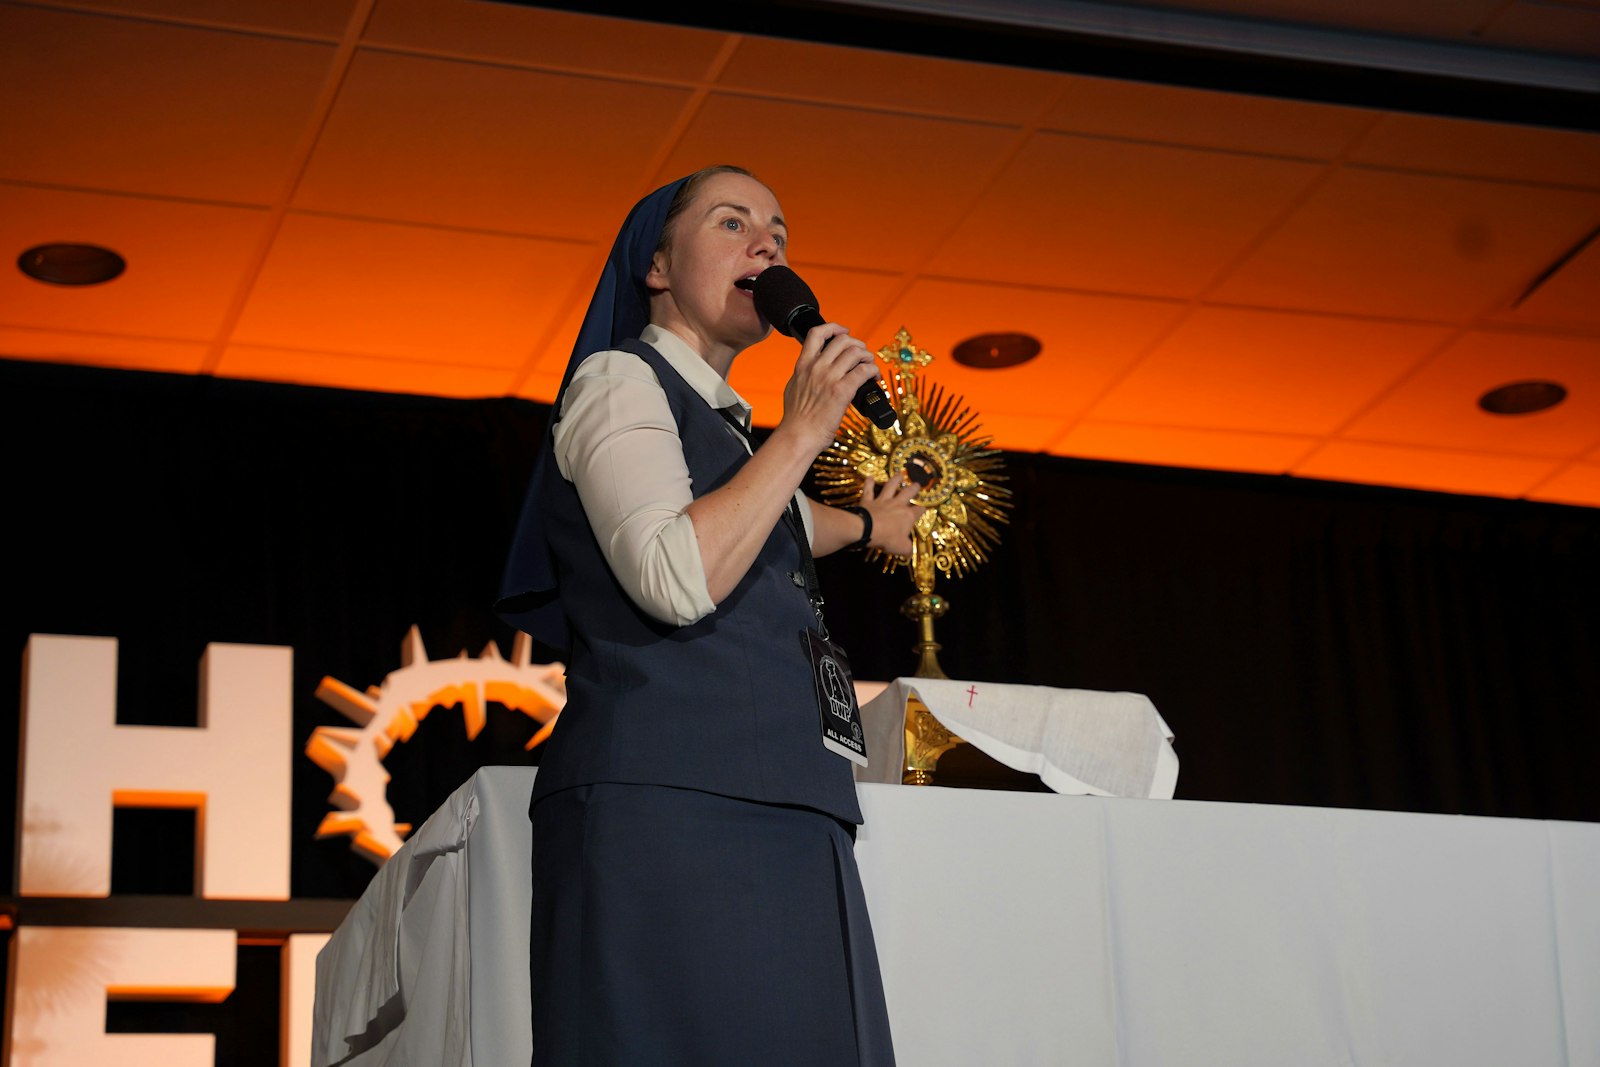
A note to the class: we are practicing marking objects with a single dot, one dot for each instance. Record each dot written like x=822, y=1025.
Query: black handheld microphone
x=790, y=305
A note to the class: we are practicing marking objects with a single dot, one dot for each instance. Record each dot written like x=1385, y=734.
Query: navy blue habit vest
x=725, y=705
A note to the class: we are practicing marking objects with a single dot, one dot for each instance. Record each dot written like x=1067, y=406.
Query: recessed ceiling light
x=1522, y=398
x=990, y=351
x=71, y=264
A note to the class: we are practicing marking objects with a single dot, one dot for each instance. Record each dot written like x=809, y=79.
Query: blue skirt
x=684, y=929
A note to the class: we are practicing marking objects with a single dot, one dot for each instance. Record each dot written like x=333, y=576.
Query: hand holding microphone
x=787, y=302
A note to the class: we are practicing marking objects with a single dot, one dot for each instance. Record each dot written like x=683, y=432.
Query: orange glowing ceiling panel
x=1567, y=299
x=341, y=371
x=1483, y=149
x=111, y=103
x=184, y=262
x=861, y=189
x=1578, y=483
x=1019, y=433
x=1269, y=372
x=952, y=196
x=1556, y=28
x=892, y=81
x=1385, y=243
x=555, y=40
x=1075, y=212
x=1170, y=446
x=1088, y=341
x=539, y=385
x=1478, y=473
x=1438, y=406
x=321, y=18
x=103, y=350
x=1204, y=119
x=491, y=148
x=407, y=291
x=550, y=360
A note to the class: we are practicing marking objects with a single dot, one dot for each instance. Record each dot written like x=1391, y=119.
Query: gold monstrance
x=937, y=445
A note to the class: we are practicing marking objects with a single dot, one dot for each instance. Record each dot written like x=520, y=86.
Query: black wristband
x=866, y=525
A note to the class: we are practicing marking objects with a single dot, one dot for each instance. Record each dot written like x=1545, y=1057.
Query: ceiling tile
x=339, y=370
x=1228, y=369
x=1547, y=27
x=1383, y=244
x=1087, y=342
x=1577, y=484
x=527, y=36
x=1199, y=118
x=110, y=103
x=452, y=143
x=444, y=239
x=316, y=18
x=1018, y=433
x=1173, y=446
x=1073, y=212
x=891, y=80
x=184, y=262
x=1479, y=474
x=551, y=359
x=1568, y=298
x=103, y=350
x=538, y=386
x=1438, y=406
x=407, y=292
x=859, y=188
x=1483, y=150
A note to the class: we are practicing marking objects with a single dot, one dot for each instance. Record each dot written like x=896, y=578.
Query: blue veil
x=619, y=310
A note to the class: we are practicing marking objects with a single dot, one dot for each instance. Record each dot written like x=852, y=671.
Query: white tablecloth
x=1017, y=929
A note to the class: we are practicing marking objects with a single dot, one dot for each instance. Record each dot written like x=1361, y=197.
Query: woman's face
x=732, y=229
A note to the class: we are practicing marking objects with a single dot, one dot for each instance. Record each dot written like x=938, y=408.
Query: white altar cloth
x=1075, y=740
x=1028, y=928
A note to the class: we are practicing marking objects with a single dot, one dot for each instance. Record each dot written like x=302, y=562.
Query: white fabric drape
x=1029, y=928
x=1075, y=740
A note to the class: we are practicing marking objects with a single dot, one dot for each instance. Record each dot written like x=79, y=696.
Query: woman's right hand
x=732, y=521
x=832, y=365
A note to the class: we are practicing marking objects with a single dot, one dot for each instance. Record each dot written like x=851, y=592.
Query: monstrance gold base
x=926, y=737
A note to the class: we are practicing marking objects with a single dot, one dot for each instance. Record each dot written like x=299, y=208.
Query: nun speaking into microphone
x=696, y=900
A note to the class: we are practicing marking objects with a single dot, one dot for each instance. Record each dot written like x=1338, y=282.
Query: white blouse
x=618, y=444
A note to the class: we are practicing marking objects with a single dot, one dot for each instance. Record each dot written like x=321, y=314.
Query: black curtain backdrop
x=1309, y=643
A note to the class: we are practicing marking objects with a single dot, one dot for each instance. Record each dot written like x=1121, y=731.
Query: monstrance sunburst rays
x=939, y=445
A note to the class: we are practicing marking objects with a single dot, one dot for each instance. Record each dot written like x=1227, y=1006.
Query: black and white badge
x=836, y=698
